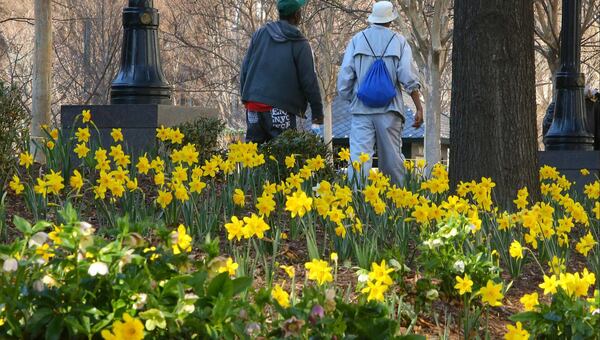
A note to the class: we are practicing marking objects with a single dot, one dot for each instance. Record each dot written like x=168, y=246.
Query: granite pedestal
x=138, y=122
x=570, y=162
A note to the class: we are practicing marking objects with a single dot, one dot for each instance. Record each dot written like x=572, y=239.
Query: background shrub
x=14, y=130
x=304, y=145
x=205, y=133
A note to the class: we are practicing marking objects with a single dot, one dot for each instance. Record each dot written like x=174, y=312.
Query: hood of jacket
x=282, y=31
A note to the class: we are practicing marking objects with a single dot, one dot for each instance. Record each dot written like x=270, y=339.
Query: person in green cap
x=278, y=77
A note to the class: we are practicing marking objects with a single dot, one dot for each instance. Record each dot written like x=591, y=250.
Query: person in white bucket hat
x=371, y=124
x=383, y=13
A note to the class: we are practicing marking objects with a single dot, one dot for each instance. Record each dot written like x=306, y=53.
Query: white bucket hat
x=383, y=12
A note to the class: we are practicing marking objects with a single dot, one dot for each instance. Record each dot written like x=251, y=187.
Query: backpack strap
x=386, y=46
x=368, y=43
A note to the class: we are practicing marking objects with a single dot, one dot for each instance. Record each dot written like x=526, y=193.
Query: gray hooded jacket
x=279, y=70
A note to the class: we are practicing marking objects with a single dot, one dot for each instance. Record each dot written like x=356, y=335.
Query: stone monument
x=140, y=96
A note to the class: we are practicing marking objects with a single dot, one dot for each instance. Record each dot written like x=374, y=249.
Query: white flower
x=596, y=311
x=38, y=239
x=10, y=265
x=432, y=244
x=38, y=286
x=459, y=266
x=49, y=281
x=190, y=297
x=98, y=268
x=453, y=232
x=86, y=228
x=140, y=300
x=362, y=278
x=188, y=308
x=126, y=259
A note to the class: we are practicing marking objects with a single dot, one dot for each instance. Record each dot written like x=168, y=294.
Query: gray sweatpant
x=386, y=130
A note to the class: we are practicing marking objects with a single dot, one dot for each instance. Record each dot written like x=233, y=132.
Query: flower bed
x=177, y=248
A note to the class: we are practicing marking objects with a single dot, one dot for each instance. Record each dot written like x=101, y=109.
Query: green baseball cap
x=289, y=7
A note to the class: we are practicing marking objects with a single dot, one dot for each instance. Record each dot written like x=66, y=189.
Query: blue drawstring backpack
x=377, y=89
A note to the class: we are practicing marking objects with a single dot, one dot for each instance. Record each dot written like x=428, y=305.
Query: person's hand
x=418, y=118
x=317, y=129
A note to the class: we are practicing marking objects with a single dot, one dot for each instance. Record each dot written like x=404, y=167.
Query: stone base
x=138, y=122
x=571, y=162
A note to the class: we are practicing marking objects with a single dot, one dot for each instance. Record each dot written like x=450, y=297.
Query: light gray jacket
x=359, y=58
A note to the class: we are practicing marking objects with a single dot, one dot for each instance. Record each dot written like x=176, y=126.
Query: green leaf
x=41, y=225
x=74, y=324
x=552, y=317
x=55, y=328
x=197, y=281
x=68, y=214
x=217, y=285
x=240, y=285
x=39, y=320
x=525, y=317
x=22, y=225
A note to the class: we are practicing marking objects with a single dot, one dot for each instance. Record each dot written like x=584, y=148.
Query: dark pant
x=264, y=126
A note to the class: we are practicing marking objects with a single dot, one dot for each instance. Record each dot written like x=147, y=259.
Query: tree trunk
x=433, y=148
x=42, y=70
x=328, y=123
x=493, y=117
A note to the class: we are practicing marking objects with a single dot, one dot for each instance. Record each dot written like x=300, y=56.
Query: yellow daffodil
x=76, y=181
x=289, y=270
x=86, y=115
x=364, y=157
x=530, y=301
x=491, y=293
x=516, y=250
x=130, y=329
x=229, y=267
x=180, y=240
x=376, y=291
x=586, y=244
x=235, y=229
x=255, y=225
x=298, y=204
x=25, y=159
x=281, y=296
x=16, y=185
x=380, y=273
x=463, y=284
x=319, y=271
x=516, y=333
x=117, y=135
x=265, y=205
x=239, y=198
x=344, y=154
x=549, y=285
x=81, y=150
x=290, y=161
x=164, y=198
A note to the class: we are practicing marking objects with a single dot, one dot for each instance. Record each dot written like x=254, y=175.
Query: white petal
x=10, y=265
x=98, y=268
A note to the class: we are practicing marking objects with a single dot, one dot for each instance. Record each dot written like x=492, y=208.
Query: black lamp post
x=140, y=79
x=568, y=130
